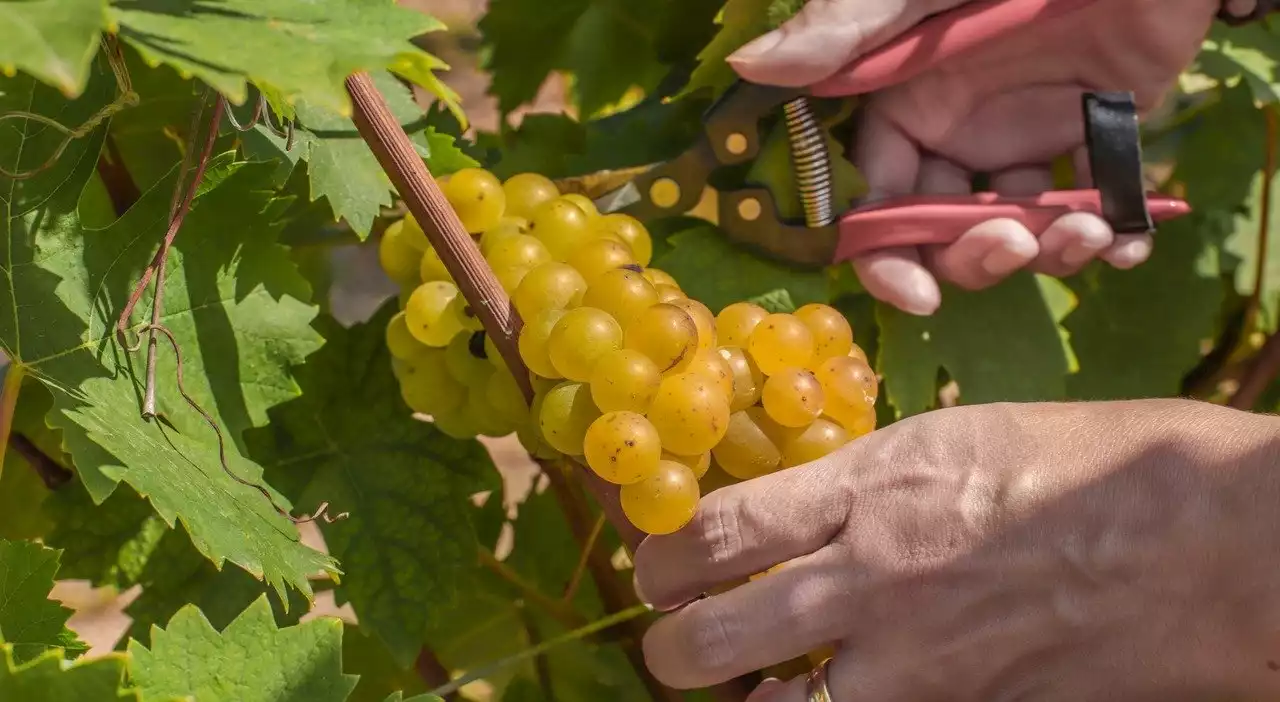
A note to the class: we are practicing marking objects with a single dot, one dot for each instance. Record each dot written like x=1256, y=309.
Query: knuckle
x=720, y=529
x=712, y=643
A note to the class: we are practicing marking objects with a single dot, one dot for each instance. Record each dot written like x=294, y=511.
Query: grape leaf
x=1242, y=243
x=740, y=22
x=297, y=51
x=53, y=40
x=30, y=622
x=399, y=697
x=379, y=675
x=405, y=483
x=233, y=302
x=716, y=272
x=1245, y=54
x=48, y=678
x=22, y=494
x=606, y=44
x=251, y=660
x=979, y=338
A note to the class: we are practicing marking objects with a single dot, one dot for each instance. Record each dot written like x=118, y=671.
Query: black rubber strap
x=1263, y=8
x=1115, y=159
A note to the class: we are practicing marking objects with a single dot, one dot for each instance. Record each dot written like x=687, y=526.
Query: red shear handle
x=915, y=220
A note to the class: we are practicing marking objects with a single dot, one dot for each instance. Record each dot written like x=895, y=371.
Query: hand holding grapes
x=1007, y=109
x=1120, y=550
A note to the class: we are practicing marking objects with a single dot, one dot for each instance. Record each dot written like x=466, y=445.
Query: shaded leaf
x=53, y=40
x=1245, y=54
x=31, y=623
x=740, y=22
x=48, y=679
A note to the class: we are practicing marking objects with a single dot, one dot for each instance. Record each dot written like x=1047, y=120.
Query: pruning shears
x=749, y=215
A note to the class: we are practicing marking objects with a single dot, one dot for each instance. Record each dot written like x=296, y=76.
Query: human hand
x=1119, y=551
x=1007, y=109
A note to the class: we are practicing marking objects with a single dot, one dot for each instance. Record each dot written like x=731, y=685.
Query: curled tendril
x=262, y=113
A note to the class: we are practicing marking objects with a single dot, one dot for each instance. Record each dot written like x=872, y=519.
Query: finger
x=766, y=690
x=1071, y=242
x=824, y=36
x=1022, y=181
x=898, y=277
x=886, y=157
x=741, y=530
x=1129, y=250
x=766, y=621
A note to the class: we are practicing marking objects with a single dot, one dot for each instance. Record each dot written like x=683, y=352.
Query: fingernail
x=757, y=47
x=919, y=299
x=1002, y=262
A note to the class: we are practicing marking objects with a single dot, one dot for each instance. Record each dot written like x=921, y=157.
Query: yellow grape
x=599, y=256
x=862, y=424
x=624, y=380
x=432, y=268
x=622, y=293
x=518, y=251
x=482, y=416
x=850, y=389
x=464, y=365
x=541, y=385
x=511, y=277
x=397, y=257
x=427, y=387
x=663, y=502
x=792, y=397
x=492, y=354
x=748, y=381
x=817, y=440
x=477, y=196
x=622, y=447
x=584, y=203
x=533, y=343
x=552, y=285
x=413, y=234
x=504, y=395
x=526, y=191
x=581, y=337
x=400, y=342
x=832, y=335
x=746, y=451
x=503, y=229
x=666, y=334
x=456, y=425
x=780, y=341
x=531, y=439
x=427, y=313
x=710, y=365
x=465, y=314
x=565, y=415
x=699, y=464
x=777, y=433
x=667, y=293
x=735, y=323
x=703, y=319
x=690, y=414
x=858, y=353
x=630, y=231
x=658, y=277
x=561, y=226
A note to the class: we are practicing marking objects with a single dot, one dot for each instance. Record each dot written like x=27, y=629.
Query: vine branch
x=557, y=609
x=1266, y=365
x=52, y=473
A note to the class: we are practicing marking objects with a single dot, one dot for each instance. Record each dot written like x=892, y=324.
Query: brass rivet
x=664, y=192
x=749, y=209
x=736, y=144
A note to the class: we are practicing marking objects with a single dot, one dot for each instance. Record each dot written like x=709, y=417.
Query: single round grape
x=622, y=447
x=561, y=226
x=481, y=415
x=630, y=231
x=526, y=191
x=850, y=389
x=551, y=285
x=413, y=234
x=427, y=313
x=565, y=415
x=464, y=366
x=659, y=277
x=746, y=452
x=832, y=335
x=518, y=251
x=578, y=341
x=432, y=268
x=397, y=257
x=777, y=433
x=531, y=439
x=793, y=397
x=456, y=425
x=541, y=385
x=703, y=319
x=862, y=424
x=622, y=293
x=817, y=440
x=426, y=386
x=690, y=414
x=504, y=395
x=780, y=341
x=503, y=229
x=713, y=367
x=667, y=293
x=699, y=464
x=748, y=381
x=735, y=323
x=599, y=256
x=666, y=334
x=465, y=314
x=584, y=203
x=664, y=502
x=477, y=196
x=533, y=343
x=492, y=354
x=858, y=353
x=511, y=277
x=400, y=342
x=624, y=380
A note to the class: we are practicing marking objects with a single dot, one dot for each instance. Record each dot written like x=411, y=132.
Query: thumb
x=825, y=35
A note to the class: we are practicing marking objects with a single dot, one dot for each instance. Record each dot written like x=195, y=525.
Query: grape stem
x=1267, y=363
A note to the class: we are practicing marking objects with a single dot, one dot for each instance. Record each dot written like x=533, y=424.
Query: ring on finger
x=815, y=684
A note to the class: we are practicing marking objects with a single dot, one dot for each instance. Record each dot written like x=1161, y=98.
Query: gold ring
x=815, y=684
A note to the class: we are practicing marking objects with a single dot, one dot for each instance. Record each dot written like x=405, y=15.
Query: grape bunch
x=634, y=379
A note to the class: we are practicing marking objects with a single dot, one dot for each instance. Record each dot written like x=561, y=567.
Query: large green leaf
x=29, y=621
x=251, y=660
x=48, y=678
x=740, y=22
x=1244, y=54
x=53, y=40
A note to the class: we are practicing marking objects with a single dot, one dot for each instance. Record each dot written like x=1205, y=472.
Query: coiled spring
x=811, y=162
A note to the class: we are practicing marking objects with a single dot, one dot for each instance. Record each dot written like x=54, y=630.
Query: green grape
x=735, y=323
x=426, y=386
x=629, y=231
x=713, y=367
x=793, y=397
x=504, y=395
x=748, y=381
x=492, y=354
x=565, y=415
x=622, y=447
x=699, y=464
x=659, y=277
x=503, y=229
x=413, y=234
x=465, y=314
x=746, y=451
x=667, y=293
x=511, y=277
x=703, y=319
x=456, y=425
x=780, y=341
x=561, y=226
x=526, y=191
x=690, y=413
x=400, y=342
x=432, y=268
x=663, y=502
x=530, y=437
x=599, y=256
x=666, y=334
x=624, y=380
x=579, y=339
x=397, y=257
x=817, y=440
x=464, y=365
x=477, y=196
x=832, y=335
x=622, y=293
x=551, y=285
x=518, y=251
x=483, y=416
x=584, y=203
x=533, y=343
x=427, y=313
x=541, y=385
x=850, y=388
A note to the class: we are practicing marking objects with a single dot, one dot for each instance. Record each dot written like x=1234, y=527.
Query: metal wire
x=811, y=161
